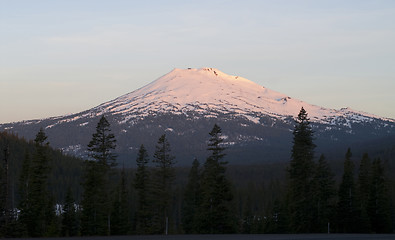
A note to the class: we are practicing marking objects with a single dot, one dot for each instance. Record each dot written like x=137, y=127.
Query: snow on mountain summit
x=209, y=91
x=256, y=120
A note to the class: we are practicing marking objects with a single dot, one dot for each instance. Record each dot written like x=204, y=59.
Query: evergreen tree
x=277, y=221
x=141, y=184
x=363, y=187
x=164, y=176
x=24, y=179
x=379, y=207
x=120, y=211
x=3, y=193
x=347, y=207
x=96, y=202
x=248, y=217
x=102, y=145
x=2, y=201
x=300, y=173
x=23, y=190
x=93, y=215
x=37, y=211
x=216, y=209
x=6, y=211
x=323, y=195
x=70, y=225
x=192, y=200
x=52, y=220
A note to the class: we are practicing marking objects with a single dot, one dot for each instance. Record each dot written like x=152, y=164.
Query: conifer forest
x=45, y=193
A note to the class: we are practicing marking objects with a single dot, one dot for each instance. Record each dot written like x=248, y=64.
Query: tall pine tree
x=323, y=190
x=23, y=191
x=6, y=211
x=277, y=221
x=363, y=190
x=216, y=208
x=142, y=185
x=96, y=202
x=164, y=176
x=38, y=210
x=379, y=207
x=120, y=220
x=347, y=206
x=192, y=200
x=70, y=224
x=301, y=173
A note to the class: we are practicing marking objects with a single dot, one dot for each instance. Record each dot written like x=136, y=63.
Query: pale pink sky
x=59, y=57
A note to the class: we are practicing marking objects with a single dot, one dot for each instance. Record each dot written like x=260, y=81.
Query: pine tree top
x=41, y=137
x=162, y=154
x=102, y=143
x=215, y=144
x=142, y=157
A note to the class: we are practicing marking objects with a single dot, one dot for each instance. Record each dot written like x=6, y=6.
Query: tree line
x=148, y=200
x=312, y=202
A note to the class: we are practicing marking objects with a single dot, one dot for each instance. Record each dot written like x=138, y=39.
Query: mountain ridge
x=243, y=96
x=164, y=93
x=185, y=103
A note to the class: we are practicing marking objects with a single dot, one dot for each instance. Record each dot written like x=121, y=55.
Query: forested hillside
x=45, y=193
x=65, y=170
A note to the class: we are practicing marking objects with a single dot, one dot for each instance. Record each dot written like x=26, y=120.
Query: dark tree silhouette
x=301, y=174
x=216, y=209
x=96, y=202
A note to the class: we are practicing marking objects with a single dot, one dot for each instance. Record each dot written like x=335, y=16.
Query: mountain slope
x=185, y=103
x=208, y=90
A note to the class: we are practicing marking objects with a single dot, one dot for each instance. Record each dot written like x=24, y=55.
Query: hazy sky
x=65, y=56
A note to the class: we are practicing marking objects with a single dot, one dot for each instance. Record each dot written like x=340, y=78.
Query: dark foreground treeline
x=44, y=193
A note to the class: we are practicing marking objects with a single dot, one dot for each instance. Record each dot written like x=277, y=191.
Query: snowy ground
x=246, y=237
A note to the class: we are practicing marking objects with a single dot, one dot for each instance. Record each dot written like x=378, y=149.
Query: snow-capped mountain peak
x=209, y=91
x=185, y=103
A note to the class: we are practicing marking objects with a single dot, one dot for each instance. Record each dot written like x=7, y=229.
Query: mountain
x=185, y=103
